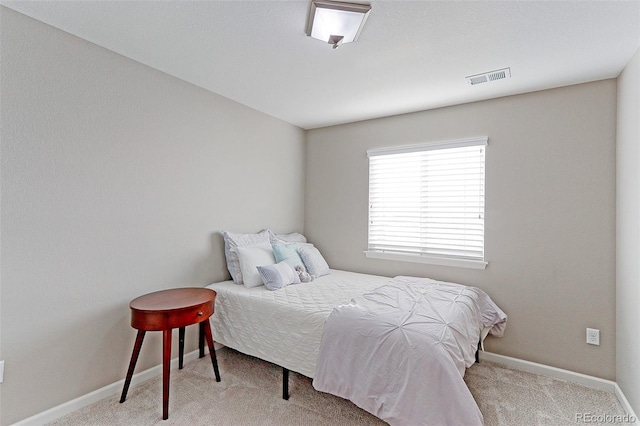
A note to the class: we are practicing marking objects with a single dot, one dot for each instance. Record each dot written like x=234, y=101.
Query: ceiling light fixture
x=336, y=22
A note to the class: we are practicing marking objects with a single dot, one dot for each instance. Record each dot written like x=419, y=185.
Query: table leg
x=201, y=339
x=132, y=363
x=181, y=347
x=212, y=352
x=166, y=362
x=285, y=383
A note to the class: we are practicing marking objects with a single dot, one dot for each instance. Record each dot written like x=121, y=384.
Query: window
x=426, y=203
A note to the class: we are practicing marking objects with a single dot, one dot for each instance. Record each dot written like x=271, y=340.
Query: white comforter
x=284, y=326
x=400, y=351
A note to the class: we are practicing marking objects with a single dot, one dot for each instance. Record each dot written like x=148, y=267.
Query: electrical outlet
x=1, y=371
x=593, y=336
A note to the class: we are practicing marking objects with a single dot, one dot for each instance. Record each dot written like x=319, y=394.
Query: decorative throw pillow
x=234, y=240
x=313, y=260
x=288, y=253
x=250, y=257
x=278, y=276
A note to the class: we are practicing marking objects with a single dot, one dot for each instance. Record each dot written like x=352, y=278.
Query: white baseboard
x=627, y=407
x=569, y=376
x=546, y=370
x=102, y=393
x=115, y=388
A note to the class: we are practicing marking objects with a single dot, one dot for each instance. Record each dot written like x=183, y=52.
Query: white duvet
x=284, y=326
x=400, y=351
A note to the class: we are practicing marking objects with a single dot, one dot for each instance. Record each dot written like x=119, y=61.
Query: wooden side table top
x=173, y=308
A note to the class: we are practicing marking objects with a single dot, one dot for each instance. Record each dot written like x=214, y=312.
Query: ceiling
x=410, y=56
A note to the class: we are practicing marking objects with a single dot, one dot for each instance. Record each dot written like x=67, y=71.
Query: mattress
x=284, y=326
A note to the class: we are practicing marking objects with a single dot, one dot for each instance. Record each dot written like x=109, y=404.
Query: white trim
x=546, y=370
x=457, y=143
x=569, y=376
x=532, y=367
x=625, y=404
x=431, y=260
x=68, y=407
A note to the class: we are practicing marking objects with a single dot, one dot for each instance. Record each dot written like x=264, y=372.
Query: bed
x=287, y=327
x=284, y=326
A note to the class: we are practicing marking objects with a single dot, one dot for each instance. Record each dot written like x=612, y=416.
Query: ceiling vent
x=489, y=76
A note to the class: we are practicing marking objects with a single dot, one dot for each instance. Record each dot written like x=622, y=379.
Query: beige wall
x=628, y=230
x=116, y=179
x=550, y=213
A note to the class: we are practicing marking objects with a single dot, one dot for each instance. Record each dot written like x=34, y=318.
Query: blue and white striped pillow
x=313, y=260
x=278, y=275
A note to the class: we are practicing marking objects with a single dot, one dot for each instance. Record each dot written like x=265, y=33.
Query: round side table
x=163, y=311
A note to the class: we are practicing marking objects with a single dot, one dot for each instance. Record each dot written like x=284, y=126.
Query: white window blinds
x=428, y=199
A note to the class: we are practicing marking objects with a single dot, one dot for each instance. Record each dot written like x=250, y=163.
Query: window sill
x=431, y=260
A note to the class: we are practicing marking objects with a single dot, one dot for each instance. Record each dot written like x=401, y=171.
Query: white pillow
x=250, y=257
x=293, y=237
x=278, y=276
x=313, y=261
x=234, y=240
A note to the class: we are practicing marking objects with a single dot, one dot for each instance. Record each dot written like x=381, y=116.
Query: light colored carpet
x=250, y=394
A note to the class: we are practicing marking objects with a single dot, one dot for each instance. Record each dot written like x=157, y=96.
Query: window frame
x=442, y=260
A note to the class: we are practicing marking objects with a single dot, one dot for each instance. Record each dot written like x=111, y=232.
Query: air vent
x=489, y=76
